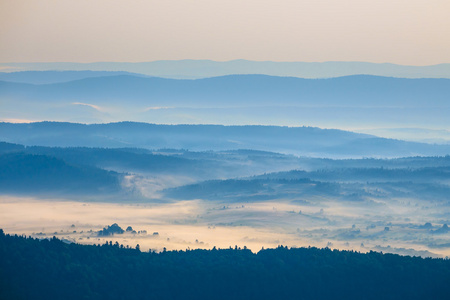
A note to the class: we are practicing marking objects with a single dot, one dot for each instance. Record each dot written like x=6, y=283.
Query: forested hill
x=52, y=269
x=30, y=174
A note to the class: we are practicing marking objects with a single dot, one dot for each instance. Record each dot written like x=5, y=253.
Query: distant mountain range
x=192, y=69
x=239, y=90
x=346, y=102
x=306, y=141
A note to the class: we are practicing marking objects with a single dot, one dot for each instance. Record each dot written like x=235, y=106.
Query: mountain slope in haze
x=174, y=166
x=191, y=69
x=306, y=141
x=30, y=174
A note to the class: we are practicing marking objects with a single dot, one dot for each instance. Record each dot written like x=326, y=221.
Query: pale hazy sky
x=414, y=32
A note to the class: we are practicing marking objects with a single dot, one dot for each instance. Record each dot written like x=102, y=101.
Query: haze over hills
x=192, y=69
x=240, y=90
x=307, y=141
x=345, y=102
x=315, y=185
x=353, y=203
x=186, y=149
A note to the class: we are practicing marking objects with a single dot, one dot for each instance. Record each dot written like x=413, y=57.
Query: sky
x=409, y=32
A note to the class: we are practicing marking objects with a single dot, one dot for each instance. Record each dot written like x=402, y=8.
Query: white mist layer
x=384, y=227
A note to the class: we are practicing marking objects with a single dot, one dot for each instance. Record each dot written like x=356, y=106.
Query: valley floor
x=397, y=227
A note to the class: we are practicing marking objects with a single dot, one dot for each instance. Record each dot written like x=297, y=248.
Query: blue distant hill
x=239, y=90
x=358, y=101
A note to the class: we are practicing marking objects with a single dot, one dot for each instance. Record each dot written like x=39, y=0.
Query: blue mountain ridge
x=240, y=90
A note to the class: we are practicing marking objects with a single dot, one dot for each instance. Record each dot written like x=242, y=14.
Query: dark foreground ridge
x=51, y=269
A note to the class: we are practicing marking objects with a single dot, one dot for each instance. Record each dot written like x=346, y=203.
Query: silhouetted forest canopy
x=52, y=269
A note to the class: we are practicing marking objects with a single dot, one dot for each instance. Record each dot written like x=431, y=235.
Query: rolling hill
x=305, y=141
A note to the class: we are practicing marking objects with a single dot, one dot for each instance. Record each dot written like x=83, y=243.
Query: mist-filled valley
x=181, y=198
x=224, y=150
x=199, y=179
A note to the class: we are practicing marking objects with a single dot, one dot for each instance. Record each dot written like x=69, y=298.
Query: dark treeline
x=52, y=269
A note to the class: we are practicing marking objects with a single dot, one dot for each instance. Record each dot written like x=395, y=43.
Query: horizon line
x=222, y=61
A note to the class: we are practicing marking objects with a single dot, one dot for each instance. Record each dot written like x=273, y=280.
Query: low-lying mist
x=178, y=199
x=401, y=226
